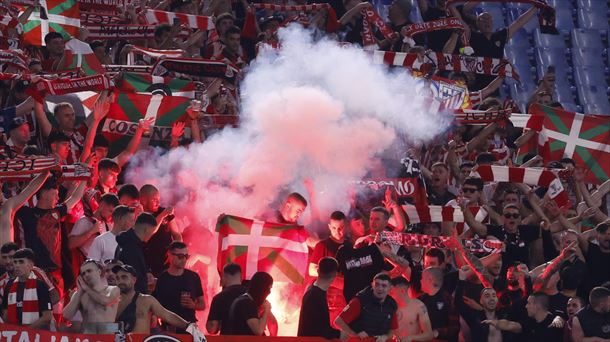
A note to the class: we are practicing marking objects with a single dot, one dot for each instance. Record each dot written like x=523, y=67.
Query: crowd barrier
x=16, y=333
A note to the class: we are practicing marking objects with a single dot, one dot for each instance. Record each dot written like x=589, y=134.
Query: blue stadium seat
x=514, y=13
x=563, y=92
x=590, y=76
x=521, y=94
x=593, y=20
x=546, y=57
x=520, y=40
x=569, y=106
x=600, y=107
x=586, y=38
x=588, y=56
x=415, y=14
x=516, y=55
x=564, y=15
x=549, y=40
x=593, y=5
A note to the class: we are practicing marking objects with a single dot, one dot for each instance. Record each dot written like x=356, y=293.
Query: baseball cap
x=16, y=123
x=125, y=268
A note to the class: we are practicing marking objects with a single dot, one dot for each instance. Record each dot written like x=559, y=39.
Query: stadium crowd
x=98, y=255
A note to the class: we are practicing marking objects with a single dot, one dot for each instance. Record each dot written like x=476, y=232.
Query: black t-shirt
x=493, y=47
x=153, y=249
x=517, y=244
x=434, y=199
x=169, y=290
x=436, y=39
x=42, y=293
x=597, y=265
x=358, y=266
x=314, y=319
x=43, y=233
x=539, y=331
x=242, y=309
x=558, y=304
x=221, y=303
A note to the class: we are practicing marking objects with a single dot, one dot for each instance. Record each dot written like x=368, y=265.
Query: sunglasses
x=180, y=255
x=514, y=216
x=469, y=190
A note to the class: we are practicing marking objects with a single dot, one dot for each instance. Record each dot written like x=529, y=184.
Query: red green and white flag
x=79, y=54
x=127, y=110
x=278, y=249
x=135, y=82
x=63, y=17
x=582, y=137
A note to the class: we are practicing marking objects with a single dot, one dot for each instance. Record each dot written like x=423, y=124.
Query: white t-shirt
x=103, y=247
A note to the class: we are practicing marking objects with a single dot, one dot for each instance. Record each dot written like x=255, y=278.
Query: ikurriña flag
x=582, y=137
x=63, y=17
x=136, y=82
x=127, y=110
x=275, y=248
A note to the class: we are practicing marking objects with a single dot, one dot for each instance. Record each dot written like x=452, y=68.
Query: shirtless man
x=413, y=321
x=96, y=300
x=136, y=309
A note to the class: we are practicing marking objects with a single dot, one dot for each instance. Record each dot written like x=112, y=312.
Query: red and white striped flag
x=527, y=175
x=200, y=22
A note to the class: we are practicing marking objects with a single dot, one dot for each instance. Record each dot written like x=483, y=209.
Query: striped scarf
x=29, y=305
x=528, y=175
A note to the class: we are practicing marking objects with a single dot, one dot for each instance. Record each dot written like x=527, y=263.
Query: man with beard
x=150, y=197
x=516, y=236
x=593, y=321
x=537, y=326
x=244, y=318
x=488, y=300
x=135, y=309
x=97, y=301
x=597, y=253
x=371, y=313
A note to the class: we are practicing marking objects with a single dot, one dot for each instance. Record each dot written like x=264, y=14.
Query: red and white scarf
x=14, y=58
x=527, y=175
x=437, y=213
x=331, y=22
x=479, y=117
x=428, y=241
x=436, y=25
x=200, y=22
x=22, y=170
x=447, y=62
x=370, y=18
x=99, y=5
x=62, y=86
x=92, y=18
x=29, y=306
x=120, y=31
x=195, y=67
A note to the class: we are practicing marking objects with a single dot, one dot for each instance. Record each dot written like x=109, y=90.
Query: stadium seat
x=415, y=15
x=549, y=40
x=588, y=56
x=514, y=13
x=516, y=55
x=584, y=38
x=564, y=15
x=521, y=41
x=546, y=57
x=592, y=20
x=593, y=5
x=569, y=106
x=587, y=75
x=601, y=106
x=521, y=94
x=563, y=92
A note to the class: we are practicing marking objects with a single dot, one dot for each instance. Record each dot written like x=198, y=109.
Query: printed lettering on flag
x=278, y=249
x=127, y=110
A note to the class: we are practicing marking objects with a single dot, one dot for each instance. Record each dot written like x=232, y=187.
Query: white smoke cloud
x=313, y=110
